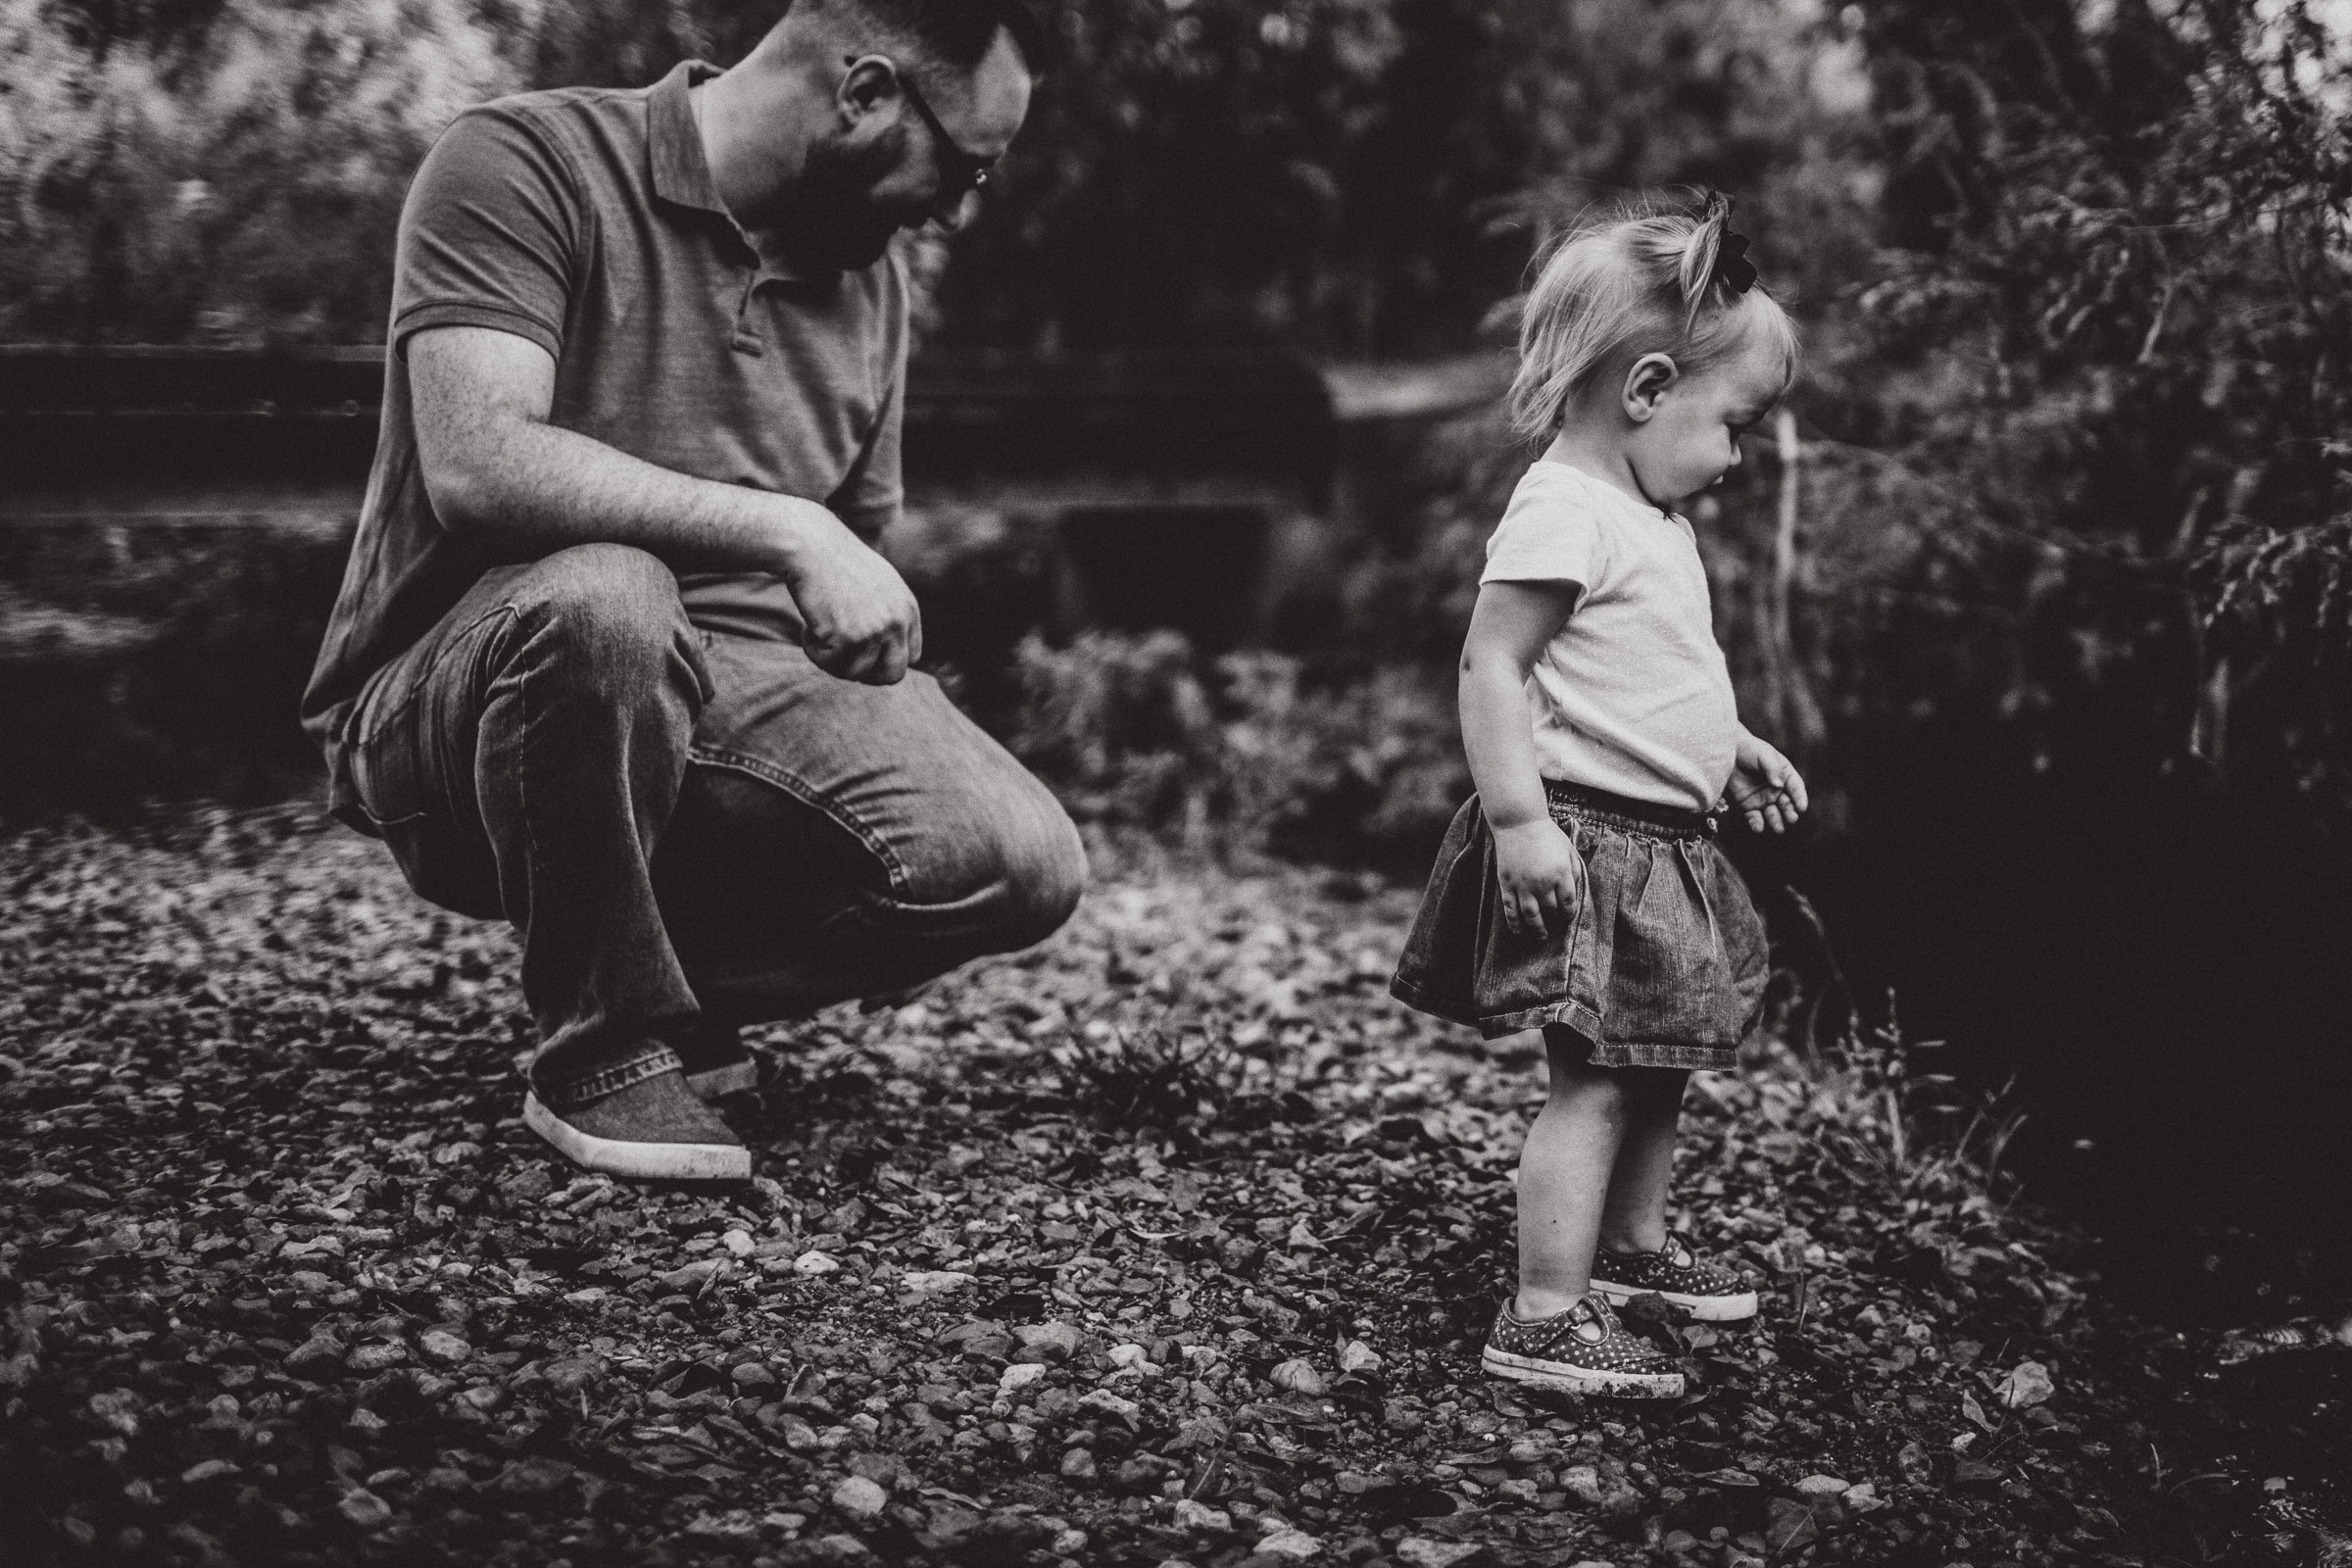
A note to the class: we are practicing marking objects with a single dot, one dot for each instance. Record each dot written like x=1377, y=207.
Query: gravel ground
x=1172, y=1239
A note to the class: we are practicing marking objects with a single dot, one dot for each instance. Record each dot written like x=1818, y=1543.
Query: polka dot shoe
x=1707, y=1292
x=1584, y=1351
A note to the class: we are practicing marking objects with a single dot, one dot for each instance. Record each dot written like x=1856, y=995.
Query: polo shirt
x=585, y=219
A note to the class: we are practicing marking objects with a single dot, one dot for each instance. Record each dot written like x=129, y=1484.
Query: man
x=613, y=656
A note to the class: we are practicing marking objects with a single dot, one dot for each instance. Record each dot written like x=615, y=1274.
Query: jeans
x=686, y=826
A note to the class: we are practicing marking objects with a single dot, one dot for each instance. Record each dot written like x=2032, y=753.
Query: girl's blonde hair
x=1639, y=280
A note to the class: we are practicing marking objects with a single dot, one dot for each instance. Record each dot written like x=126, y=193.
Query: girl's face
x=1687, y=428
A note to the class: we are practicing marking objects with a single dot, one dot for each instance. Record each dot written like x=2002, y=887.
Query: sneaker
x=718, y=1064
x=1584, y=1350
x=1707, y=1292
x=651, y=1131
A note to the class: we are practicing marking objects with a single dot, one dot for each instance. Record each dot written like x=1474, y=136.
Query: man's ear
x=869, y=82
x=1646, y=383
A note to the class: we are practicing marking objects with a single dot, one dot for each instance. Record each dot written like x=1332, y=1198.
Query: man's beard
x=834, y=220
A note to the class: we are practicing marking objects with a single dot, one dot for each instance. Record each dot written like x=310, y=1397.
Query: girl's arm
x=1539, y=867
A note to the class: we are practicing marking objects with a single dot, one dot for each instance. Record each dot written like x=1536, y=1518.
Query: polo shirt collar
x=681, y=174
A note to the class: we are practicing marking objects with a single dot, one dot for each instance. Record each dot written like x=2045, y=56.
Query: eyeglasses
x=959, y=171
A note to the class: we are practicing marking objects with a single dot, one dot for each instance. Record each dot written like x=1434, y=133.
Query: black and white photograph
x=1176, y=783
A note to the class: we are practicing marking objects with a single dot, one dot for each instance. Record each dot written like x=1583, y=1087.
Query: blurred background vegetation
x=2044, y=584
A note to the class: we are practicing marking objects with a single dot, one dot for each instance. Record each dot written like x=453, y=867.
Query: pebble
x=1199, y=1518
x=1019, y=1376
x=1359, y=1357
x=443, y=1348
x=923, y=1285
x=861, y=1499
x=1821, y=1487
x=364, y=1508
x=1291, y=1546
x=1419, y=1552
x=315, y=1355
x=367, y=1359
x=737, y=1241
x=813, y=1263
x=1078, y=1464
x=1299, y=1377
x=1053, y=1341
x=1111, y=1405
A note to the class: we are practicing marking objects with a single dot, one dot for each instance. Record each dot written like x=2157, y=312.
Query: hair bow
x=1733, y=269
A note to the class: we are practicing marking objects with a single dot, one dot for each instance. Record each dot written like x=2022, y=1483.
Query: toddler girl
x=1580, y=891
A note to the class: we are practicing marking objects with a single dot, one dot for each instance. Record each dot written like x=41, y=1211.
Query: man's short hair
x=956, y=33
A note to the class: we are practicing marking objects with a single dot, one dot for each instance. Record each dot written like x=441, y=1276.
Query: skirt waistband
x=1640, y=816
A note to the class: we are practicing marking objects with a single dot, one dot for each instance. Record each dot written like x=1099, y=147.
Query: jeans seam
x=563, y=1093
x=808, y=794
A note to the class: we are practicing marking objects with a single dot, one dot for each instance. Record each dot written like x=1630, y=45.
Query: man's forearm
x=525, y=488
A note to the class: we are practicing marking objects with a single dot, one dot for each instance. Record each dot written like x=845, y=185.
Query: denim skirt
x=1662, y=964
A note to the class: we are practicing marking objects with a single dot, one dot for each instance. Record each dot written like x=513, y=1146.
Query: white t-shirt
x=1632, y=696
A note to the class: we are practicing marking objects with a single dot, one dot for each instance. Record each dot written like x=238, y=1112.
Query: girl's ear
x=1646, y=383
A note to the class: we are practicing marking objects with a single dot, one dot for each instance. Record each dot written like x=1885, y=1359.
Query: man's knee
x=1005, y=856
x=612, y=617
x=1044, y=878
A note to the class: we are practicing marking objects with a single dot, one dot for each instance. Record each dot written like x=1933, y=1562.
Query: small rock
x=364, y=1508
x=573, y=1373
x=813, y=1263
x=861, y=1498
x=1068, y=1542
x=310, y=1282
x=197, y=1475
x=1419, y=1552
x=1791, y=1527
x=735, y=1526
x=317, y=1353
x=692, y=1275
x=532, y=1478
x=737, y=1241
x=1291, y=1546
x=1049, y=1341
x=1130, y=1356
x=1583, y=1483
x=376, y=1356
x=752, y=1375
x=443, y=1348
x=1019, y=1376
x=1527, y=1451
x=1198, y=1518
x=1111, y=1405
x=1299, y=1377
x=1359, y=1356
x=924, y=1285
x=2029, y=1385
x=1078, y=1464
x=799, y=1436
x=1821, y=1487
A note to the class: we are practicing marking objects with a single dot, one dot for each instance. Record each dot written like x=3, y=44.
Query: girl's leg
x=1634, y=1219
x=1564, y=1178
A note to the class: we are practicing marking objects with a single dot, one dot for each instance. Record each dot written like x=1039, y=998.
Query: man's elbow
x=463, y=488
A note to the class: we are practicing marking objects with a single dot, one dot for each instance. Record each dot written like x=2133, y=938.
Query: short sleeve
x=488, y=233
x=868, y=500
x=1547, y=537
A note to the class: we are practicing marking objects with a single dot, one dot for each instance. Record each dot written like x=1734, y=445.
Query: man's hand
x=862, y=622
x=1542, y=876
x=1765, y=787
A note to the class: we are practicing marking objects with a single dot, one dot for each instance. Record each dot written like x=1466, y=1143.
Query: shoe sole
x=638, y=1161
x=1705, y=1308
x=716, y=1083
x=1580, y=1380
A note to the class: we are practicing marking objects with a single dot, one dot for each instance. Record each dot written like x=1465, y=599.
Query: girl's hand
x=1541, y=875
x=1765, y=787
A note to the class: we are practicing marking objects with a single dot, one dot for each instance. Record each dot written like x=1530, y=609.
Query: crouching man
x=614, y=658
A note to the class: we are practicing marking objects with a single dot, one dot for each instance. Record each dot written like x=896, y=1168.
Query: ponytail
x=1655, y=276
